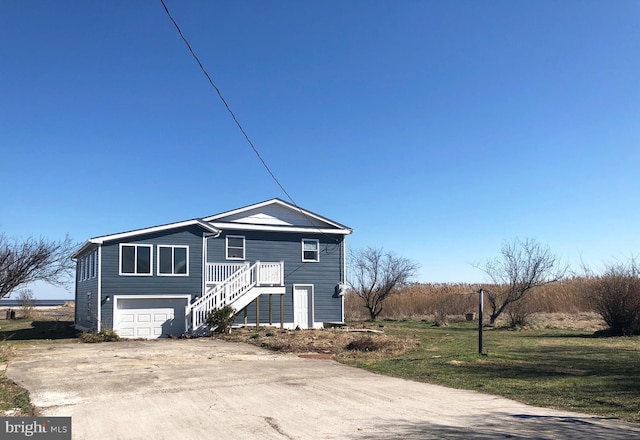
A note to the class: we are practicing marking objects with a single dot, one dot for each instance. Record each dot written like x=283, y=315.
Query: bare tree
x=24, y=262
x=523, y=266
x=375, y=274
x=27, y=303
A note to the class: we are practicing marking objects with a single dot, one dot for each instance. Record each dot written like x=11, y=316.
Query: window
x=92, y=267
x=235, y=247
x=88, y=266
x=173, y=260
x=135, y=259
x=310, y=250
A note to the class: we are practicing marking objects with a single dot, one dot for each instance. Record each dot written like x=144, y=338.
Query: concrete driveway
x=208, y=389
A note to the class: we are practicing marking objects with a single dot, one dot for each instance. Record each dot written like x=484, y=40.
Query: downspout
x=75, y=296
x=204, y=265
x=205, y=236
x=343, y=244
x=203, y=286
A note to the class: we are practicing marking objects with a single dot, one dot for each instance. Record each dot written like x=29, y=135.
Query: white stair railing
x=236, y=290
x=219, y=272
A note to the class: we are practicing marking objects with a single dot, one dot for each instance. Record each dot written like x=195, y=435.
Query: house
x=273, y=262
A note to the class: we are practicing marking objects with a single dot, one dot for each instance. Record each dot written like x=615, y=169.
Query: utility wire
x=246, y=136
x=224, y=101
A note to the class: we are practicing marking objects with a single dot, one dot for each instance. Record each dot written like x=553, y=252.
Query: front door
x=303, y=305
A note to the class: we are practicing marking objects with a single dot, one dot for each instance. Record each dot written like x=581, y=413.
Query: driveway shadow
x=41, y=330
x=512, y=426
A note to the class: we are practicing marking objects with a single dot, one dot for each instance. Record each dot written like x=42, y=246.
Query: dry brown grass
x=451, y=301
x=581, y=321
x=418, y=301
x=364, y=341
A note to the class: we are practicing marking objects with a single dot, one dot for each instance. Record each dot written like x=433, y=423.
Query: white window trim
x=136, y=274
x=317, y=260
x=95, y=263
x=172, y=247
x=226, y=247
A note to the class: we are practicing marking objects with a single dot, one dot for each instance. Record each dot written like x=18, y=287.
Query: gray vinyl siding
x=86, y=317
x=115, y=284
x=287, y=247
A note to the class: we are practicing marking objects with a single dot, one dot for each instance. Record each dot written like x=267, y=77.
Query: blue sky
x=435, y=129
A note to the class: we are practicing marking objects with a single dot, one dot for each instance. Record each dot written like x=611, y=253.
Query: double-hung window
x=310, y=250
x=173, y=260
x=135, y=259
x=235, y=247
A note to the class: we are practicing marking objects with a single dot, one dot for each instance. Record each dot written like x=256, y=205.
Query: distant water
x=36, y=302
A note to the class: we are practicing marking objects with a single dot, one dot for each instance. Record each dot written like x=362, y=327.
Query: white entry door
x=303, y=305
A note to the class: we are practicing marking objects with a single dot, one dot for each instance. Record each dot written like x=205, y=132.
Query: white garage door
x=149, y=318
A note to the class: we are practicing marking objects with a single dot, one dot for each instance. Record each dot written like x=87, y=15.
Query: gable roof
x=276, y=215
x=270, y=215
x=99, y=240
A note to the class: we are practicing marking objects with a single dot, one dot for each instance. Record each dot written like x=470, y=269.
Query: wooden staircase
x=238, y=290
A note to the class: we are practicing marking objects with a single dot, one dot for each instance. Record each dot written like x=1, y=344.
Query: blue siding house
x=273, y=262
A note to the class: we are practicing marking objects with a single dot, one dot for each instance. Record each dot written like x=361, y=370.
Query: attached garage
x=149, y=317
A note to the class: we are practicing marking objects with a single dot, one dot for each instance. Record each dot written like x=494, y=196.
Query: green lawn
x=554, y=368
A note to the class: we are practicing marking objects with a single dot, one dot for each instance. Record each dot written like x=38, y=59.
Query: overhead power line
x=235, y=119
x=224, y=101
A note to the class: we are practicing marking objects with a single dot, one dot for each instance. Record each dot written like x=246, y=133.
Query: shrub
x=220, y=320
x=440, y=318
x=6, y=351
x=519, y=312
x=27, y=302
x=105, y=335
x=615, y=295
x=365, y=344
